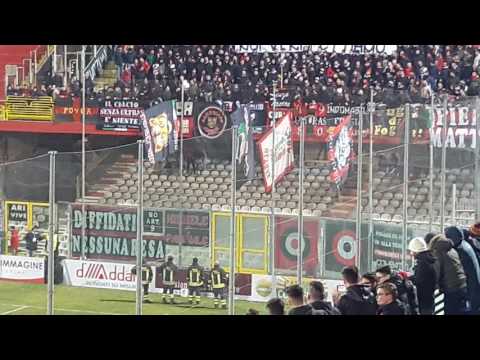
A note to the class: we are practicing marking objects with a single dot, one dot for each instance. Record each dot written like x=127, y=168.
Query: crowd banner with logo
x=341, y=246
x=340, y=151
x=120, y=115
x=110, y=233
x=29, y=108
x=159, y=126
x=258, y=114
x=189, y=241
x=245, y=157
x=286, y=244
x=95, y=274
x=211, y=120
x=387, y=246
x=284, y=161
x=347, y=49
x=283, y=99
x=22, y=268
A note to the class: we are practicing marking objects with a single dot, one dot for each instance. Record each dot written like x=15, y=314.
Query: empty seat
x=255, y=209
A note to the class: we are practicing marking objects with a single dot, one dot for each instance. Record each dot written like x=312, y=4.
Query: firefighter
x=218, y=280
x=195, y=281
x=147, y=276
x=168, y=270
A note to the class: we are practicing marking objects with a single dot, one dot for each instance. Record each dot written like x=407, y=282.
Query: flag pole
x=358, y=225
x=231, y=283
x=405, y=185
x=51, y=225
x=84, y=217
x=139, y=288
x=477, y=158
x=272, y=209
x=300, y=210
x=370, y=187
x=444, y=163
x=430, y=183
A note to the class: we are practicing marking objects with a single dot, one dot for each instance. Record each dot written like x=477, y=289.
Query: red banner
x=286, y=244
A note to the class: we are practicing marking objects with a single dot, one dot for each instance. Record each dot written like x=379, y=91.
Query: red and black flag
x=340, y=150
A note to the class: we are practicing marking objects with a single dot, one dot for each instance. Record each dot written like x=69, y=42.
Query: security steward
x=147, y=276
x=168, y=270
x=218, y=281
x=194, y=281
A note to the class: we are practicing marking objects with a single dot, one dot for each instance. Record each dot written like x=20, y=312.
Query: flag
x=160, y=131
x=340, y=150
x=245, y=156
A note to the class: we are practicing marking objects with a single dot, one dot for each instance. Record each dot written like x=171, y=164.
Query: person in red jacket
x=14, y=240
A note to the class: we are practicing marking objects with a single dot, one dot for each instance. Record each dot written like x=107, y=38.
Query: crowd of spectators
x=154, y=73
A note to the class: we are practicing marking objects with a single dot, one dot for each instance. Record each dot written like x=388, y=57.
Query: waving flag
x=340, y=150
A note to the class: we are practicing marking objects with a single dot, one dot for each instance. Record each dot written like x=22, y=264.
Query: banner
x=284, y=159
x=188, y=123
x=96, y=63
x=22, y=268
x=286, y=244
x=245, y=157
x=195, y=228
x=160, y=131
x=341, y=246
x=29, y=108
x=262, y=287
x=120, y=115
x=104, y=275
x=340, y=151
x=348, y=49
x=283, y=99
x=110, y=233
x=68, y=109
x=211, y=120
x=387, y=246
x=258, y=115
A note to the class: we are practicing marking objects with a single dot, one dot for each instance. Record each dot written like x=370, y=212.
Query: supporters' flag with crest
x=340, y=150
x=159, y=129
x=245, y=157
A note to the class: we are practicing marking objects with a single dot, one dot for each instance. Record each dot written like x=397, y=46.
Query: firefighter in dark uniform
x=168, y=270
x=147, y=276
x=195, y=281
x=218, y=281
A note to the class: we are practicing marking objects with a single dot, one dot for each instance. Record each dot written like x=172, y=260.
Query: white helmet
x=417, y=245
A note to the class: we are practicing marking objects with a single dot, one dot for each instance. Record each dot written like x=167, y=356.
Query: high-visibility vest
x=216, y=278
x=145, y=275
x=167, y=276
x=195, y=277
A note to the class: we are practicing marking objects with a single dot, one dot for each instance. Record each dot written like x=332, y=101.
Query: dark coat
x=323, y=308
x=470, y=264
x=425, y=279
x=451, y=276
x=407, y=296
x=358, y=300
x=301, y=310
x=32, y=239
x=394, y=308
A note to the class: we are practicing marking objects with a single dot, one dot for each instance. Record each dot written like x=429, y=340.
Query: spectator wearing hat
x=470, y=265
x=424, y=275
x=451, y=275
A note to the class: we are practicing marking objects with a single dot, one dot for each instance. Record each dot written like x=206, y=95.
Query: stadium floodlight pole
x=51, y=225
x=65, y=65
x=300, y=202
x=430, y=183
x=272, y=210
x=444, y=163
x=405, y=186
x=370, y=186
x=477, y=159
x=185, y=85
x=139, y=288
x=84, y=217
x=231, y=282
x=358, y=225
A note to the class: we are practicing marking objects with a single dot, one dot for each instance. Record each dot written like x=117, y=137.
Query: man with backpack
x=358, y=300
x=407, y=293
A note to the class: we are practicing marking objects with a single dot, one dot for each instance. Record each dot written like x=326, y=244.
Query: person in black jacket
x=296, y=301
x=406, y=294
x=387, y=299
x=358, y=300
x=425, y=276
x=470, y=265
x=316, y=298
x=276, y=306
